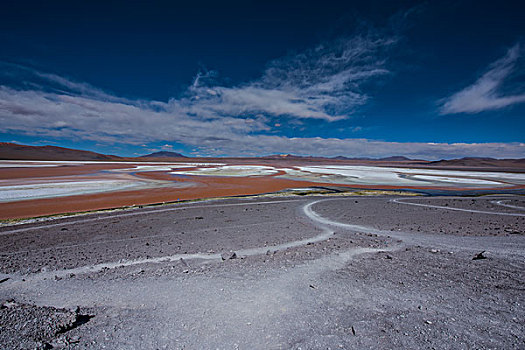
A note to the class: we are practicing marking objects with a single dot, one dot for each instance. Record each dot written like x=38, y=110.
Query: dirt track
x=352, y=272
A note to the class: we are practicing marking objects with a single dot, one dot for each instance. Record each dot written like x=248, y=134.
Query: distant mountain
x=480, y=162
x=163, y=154
x=395, y=159
x=13, y=151
x=387, y=159
x=284, y=156
x=294, y=157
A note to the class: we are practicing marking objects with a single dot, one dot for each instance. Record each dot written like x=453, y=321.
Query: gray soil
x=287, y=273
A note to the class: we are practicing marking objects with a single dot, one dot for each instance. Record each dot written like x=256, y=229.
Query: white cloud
x=253, y=145
x=322, y=83
x=484, y=94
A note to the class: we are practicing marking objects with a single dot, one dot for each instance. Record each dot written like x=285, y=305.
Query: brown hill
x=480, y=162
x=163, y=154
x=13, y=151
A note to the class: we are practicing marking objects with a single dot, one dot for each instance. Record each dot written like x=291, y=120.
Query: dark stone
x=479, y=256
x=228, y=255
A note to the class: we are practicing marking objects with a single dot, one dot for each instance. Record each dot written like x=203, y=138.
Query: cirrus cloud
x=484, y=94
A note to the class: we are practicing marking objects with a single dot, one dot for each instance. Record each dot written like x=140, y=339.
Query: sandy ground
x=307, y=273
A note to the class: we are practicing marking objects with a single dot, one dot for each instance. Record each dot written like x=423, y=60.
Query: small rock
x=228, y=255
x=74, y=339
x=8, y=304
x=353, y=330
x=479, y=256
x=434, y=251
x=512, y=231
x=428, y=322
x=58, y=343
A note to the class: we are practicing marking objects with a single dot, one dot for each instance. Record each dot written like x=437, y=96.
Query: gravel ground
x=359, y=273
x=400, y=216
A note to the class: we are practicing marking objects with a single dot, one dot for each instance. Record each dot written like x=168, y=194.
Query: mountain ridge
x=15, y=151
x=163, y=154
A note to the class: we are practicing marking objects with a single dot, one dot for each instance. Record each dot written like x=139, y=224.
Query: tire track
x=402, y=201
x=137, y=213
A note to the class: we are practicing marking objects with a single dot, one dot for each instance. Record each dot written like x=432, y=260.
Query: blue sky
x=432, y=79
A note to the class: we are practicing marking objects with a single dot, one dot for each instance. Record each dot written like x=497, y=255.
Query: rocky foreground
x=282, y=273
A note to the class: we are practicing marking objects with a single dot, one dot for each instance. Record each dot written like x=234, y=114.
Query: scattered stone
x=228, y=255
x=479, y=256
x=58, y=343
x=8, y=304
x=512, y=231
x=388, y=257
x=43, y=327
x=74, y=339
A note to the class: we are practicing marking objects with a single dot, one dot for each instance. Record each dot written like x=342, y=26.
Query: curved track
x=335, y=285
x=496, y=244
x=321, y=222
x=403, y=201
x=501, y=203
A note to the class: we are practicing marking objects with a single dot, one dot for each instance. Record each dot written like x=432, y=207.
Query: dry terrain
x=297, y=272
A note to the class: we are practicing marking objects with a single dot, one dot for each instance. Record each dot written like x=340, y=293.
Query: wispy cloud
x=485, y=94
x=320, y=83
